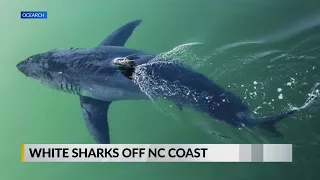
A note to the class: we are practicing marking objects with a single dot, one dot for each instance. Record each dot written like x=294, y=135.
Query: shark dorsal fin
x=120, y=36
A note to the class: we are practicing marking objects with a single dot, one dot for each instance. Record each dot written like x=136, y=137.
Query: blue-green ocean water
x=250, y=47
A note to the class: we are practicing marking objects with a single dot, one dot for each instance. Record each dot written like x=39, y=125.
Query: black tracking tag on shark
x=126, y=65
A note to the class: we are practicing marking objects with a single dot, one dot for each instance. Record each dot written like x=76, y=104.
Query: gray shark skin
x=91, y=74
x=180, y=84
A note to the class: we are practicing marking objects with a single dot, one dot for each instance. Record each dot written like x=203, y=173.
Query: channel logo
x=34, y=14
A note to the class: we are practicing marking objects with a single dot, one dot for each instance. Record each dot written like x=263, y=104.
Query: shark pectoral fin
x=96, y=117
x=120, y=36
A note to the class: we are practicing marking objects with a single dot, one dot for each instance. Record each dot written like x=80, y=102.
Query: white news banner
x=156, y=153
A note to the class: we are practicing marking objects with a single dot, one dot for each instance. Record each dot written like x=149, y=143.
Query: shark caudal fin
x=273, y=119
x=267, y=123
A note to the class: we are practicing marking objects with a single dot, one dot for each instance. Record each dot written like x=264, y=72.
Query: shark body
x=184, y=86
x=95, y=75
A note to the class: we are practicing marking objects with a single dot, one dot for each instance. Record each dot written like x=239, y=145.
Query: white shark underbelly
x=114, y=90
x=111, y=94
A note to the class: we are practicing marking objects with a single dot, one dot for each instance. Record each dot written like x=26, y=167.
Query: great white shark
x=103, y=74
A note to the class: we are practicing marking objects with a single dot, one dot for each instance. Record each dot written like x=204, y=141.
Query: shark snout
x=27, y=69
x=22, y=67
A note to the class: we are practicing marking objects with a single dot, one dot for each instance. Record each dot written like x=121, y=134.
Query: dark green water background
x=280, y=40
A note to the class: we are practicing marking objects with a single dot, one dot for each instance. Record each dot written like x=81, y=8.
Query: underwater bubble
x=279, y=89
x=280, y=96
x=255, y=111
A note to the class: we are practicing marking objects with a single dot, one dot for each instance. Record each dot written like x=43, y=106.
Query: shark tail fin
x=273, y=119
x=267, y=123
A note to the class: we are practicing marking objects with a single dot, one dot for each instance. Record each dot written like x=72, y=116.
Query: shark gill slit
x=67, y=87
x=75, y=89
x=78, y=89
x=61, y=86
x=72, y=89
